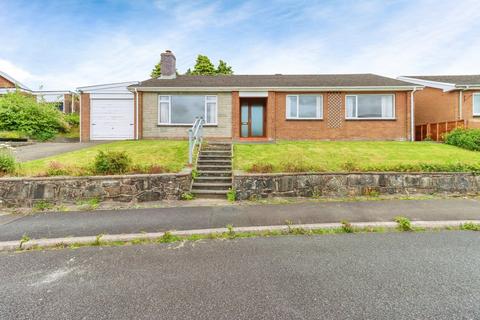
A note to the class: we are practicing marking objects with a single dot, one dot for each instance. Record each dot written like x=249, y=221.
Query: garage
x=107, y=112
x=111, y=119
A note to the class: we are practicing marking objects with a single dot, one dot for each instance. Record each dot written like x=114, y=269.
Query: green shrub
x=464, y=138
x=7, y=160
x=111, y=162
x=21, y=112
x=73, y=119
x=12, y=135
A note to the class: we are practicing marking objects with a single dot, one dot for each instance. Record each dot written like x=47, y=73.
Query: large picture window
x=304, y=106
x=476, y=104
x=183, y=109
x=370, y=106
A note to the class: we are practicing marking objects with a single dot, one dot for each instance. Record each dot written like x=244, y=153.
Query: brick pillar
x=271, y=112
x=235, y=115
x=85, y=117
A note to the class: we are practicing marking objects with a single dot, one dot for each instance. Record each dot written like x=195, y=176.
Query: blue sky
x=63, y=44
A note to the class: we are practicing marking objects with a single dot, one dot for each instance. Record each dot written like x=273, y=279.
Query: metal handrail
x=195, y=136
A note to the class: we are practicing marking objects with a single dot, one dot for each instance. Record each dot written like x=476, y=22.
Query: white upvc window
x=370, y=106
x=476, y=104
x=183, y=109
x=304, y=106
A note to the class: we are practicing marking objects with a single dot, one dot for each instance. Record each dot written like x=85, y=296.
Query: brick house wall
x=4, y=83
x=467, y=110
x=84, y=117
x=433, y=105
x=334, y=126
x=151, y=129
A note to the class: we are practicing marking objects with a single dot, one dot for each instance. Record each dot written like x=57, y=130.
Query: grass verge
x=231, y=233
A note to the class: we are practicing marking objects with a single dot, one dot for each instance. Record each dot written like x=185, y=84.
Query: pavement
x=91, y=223
x=47, y=149
x=424, y=275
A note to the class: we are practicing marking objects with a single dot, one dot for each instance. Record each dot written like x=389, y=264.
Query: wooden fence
x=435, y=131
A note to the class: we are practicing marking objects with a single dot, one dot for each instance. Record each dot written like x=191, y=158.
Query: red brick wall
x=235, y=115
x=398, y=129
x=467, y=110
x=85, y=117
x=433, y=105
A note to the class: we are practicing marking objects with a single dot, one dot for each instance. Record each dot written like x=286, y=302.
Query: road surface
x=431, y=275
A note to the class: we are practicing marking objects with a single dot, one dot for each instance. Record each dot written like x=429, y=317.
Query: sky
x=64, y=44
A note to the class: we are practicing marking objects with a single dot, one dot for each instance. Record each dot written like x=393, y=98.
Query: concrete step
x=213, y=180
x=210, y=186
x=210, y=194
x=213, y=167
x=209, y=157
x=224, y=162
x=215, y=173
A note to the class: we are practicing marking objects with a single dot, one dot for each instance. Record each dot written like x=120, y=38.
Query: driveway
x=431, y=275
x=47, y=149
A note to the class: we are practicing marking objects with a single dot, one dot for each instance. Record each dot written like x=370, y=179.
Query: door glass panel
x=244, y=120
x=257, y=120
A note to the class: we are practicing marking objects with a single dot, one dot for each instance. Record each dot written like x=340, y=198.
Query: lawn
x=338, y=156
x=171, y=156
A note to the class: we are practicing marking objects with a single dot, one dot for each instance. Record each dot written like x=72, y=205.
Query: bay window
x=183, y=109
x=304, y=106
x=370, y=106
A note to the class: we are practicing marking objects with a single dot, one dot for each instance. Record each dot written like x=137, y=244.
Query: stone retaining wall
x=353, y=184
x=128, y=188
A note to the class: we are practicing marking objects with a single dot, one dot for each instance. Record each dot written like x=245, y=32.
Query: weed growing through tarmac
x=168, y=237
x=404, y=224
x=42, y=206
x=90, y=204
x=25, y=238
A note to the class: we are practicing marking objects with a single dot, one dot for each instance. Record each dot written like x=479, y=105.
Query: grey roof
x=278, y=80
x=472, y=79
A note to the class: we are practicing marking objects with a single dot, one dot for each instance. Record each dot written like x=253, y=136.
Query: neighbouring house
x=66, y=100
x=254, y=107
x=9, y=84
x=453, y=99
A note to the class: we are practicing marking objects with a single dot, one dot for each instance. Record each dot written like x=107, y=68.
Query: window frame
x=319, y=107
x=394, y=113
x=205, y=108
x=473, y=104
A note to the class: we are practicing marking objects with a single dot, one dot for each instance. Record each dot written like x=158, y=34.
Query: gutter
x=289, y=89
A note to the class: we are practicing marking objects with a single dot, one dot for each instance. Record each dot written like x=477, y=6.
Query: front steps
x=214, y=168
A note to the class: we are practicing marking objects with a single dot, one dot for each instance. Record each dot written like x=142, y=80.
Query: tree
x=157, y=71
x=204, y=66
x=224, y=68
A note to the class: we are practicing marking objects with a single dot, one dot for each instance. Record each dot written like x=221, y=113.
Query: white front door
x=111, y=119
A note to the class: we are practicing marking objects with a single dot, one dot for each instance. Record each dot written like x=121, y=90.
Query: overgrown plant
x=347, y=227
x=404, y=224
x=25, y=238
x=187, y=196
x=232, y=194
x=42, y=205
x=7, y=159
x=112, y=162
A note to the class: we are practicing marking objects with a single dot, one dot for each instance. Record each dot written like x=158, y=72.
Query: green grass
x=74, y=133
x=171, y=155
x=338, y=156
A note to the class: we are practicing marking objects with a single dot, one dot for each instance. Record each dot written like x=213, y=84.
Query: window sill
x=184, y=125
x=370, y=119
x=304, y=119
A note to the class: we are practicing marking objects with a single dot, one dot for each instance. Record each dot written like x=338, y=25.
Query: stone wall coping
x=280, y=174
x=183, y=173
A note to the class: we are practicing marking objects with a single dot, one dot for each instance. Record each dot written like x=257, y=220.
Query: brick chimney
x=168, y=65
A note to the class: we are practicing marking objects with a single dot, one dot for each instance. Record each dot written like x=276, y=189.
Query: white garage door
x=111, y=119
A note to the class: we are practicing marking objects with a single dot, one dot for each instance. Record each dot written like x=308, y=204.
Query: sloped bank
x=19, y=192
x=250, y=186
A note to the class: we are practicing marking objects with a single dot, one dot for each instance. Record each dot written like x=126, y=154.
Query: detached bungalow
x=447, y=98
x=260, y=107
